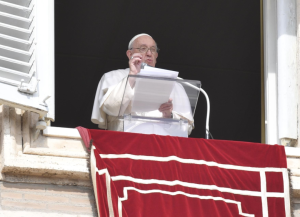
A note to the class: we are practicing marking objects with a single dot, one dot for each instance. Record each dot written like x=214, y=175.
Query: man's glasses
x=145, y=49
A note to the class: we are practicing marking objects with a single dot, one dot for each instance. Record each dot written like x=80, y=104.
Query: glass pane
x=143, y=96
x=158, y=126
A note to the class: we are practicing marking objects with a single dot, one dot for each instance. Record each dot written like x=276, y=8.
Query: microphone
x=144, y=65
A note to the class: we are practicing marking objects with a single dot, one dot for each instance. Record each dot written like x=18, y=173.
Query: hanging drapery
x=139, y=175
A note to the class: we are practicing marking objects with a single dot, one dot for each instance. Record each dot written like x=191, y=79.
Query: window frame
x=42, y=37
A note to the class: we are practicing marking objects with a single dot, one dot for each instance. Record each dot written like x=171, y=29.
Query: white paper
x=151, y=93
x=157, y=72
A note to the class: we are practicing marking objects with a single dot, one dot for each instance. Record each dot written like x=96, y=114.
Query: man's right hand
x=166, y=109
x=135, y=63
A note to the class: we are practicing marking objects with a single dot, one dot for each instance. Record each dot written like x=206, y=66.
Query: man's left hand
x=166, y=109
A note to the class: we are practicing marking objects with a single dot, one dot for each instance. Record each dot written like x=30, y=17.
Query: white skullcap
x=135, y=37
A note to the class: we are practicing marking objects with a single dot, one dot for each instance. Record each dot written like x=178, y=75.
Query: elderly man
x=141, y=49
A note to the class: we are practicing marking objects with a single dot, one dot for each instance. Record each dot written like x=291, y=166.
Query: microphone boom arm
x=208, y=106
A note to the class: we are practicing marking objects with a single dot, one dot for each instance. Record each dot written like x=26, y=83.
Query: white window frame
x=274, y=104
x=43, y=65
x=280, y=73
x=45, y=53
x=270, y=70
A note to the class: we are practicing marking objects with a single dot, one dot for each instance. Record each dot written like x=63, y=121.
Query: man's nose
x=149, y=53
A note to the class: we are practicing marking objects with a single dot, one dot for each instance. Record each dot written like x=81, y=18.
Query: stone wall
x=42, y=173
x=21, y=199
x=293, y=162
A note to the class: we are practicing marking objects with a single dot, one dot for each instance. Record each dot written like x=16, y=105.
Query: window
x=27, y=55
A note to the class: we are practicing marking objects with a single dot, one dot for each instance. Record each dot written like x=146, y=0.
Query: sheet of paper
x=149, y=94
x=157, y=72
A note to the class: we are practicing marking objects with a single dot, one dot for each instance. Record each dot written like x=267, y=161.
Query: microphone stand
x=208, y=106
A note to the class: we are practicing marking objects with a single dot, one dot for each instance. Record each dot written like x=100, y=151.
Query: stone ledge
x=54, y=141
x=296, y=186
x=55, y=152
x=292, y=152
x=15, y=213
x=61, y=132
x=33, y=164
x=45, y=160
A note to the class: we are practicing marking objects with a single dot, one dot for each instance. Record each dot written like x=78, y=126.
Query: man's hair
x=137, y=36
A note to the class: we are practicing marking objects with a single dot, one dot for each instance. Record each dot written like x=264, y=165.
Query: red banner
x=136, y=175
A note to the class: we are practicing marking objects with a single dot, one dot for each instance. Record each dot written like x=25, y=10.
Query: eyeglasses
x=145, y=49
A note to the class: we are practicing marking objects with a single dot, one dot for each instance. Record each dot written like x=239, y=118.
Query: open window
x=27, y=55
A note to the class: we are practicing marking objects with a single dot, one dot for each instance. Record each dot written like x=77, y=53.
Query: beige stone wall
x=21, y=199
x=294, y=166
x=298, y=62
x=296, y=207
x=42, y=175
x=45, y=159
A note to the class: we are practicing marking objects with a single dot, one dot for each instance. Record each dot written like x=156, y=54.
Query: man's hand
x=135, y=63
x=166, y=109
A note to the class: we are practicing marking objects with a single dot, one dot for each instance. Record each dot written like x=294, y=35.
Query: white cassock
x=108, y=101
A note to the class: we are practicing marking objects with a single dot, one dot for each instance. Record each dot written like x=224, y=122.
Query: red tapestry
x=136, y=175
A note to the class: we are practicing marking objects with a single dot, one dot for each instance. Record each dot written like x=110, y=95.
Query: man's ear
x=128, y=53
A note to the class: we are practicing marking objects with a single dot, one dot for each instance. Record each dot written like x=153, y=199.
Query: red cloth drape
x=148, y=175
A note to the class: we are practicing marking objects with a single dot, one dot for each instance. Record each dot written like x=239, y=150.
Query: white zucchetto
x=135, y=37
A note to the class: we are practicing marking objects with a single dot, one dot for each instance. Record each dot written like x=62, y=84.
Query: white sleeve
x=107, y=82
x=98, y=116
x=114, y=98
x=190, y=123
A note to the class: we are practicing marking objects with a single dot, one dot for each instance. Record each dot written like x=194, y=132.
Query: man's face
x=148, y=57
